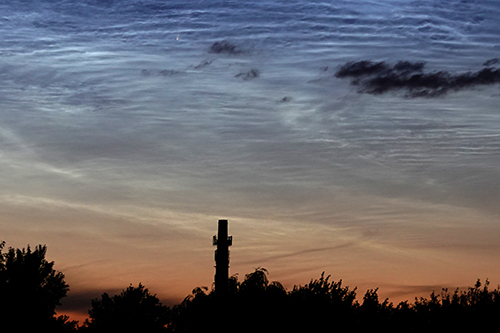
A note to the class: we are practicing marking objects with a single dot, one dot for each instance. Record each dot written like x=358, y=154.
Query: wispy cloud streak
x=298, y=253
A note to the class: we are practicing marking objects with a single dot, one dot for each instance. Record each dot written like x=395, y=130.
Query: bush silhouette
x=30, y=290
x=322, y=304
x=259, y=305
x=134, y=310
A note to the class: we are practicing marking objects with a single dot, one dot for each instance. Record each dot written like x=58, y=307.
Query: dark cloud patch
x=361, y=68
x=251, y=74
x=163, y=72
x=491, y=62
x=285, y=99
x=224, y=47
x=380, y=77
x=80, y=302
x=203, y=64
x=407, y=67
x=169, y=72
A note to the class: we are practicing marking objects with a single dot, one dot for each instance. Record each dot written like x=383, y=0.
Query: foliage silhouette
x=133, y=310
x=30, y=290
x=462, y=310
x=323, y=305
x=372, y=313
x=259, y=305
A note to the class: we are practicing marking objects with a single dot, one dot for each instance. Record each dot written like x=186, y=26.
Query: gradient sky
x=123, y=140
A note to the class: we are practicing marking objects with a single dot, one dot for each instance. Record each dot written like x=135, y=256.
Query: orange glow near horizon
x=402, y=260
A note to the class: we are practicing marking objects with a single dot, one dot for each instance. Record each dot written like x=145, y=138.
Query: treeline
x=30, y=291
x=327, y=306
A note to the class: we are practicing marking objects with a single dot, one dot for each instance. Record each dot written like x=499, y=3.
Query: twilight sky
x=128, y=128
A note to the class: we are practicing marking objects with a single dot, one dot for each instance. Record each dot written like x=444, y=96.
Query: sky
x=128, y=129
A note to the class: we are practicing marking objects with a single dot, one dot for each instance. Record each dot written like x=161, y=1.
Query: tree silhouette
x=470, y=310
x=255, y=282
x=261, y=304
x=372, y=313
x=134, y=310
x=246, y=307
x=323, y=304
x=30, y=290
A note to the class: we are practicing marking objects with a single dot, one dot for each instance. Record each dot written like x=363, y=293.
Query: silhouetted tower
x=223, y=242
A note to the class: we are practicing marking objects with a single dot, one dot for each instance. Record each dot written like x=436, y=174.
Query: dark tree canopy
x=328, y=306
x=30, y=289
x=134, y=310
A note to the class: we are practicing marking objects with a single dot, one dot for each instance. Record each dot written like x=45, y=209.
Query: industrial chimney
x=223, y=242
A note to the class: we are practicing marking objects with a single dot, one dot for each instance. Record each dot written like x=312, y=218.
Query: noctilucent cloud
x=128, y=128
